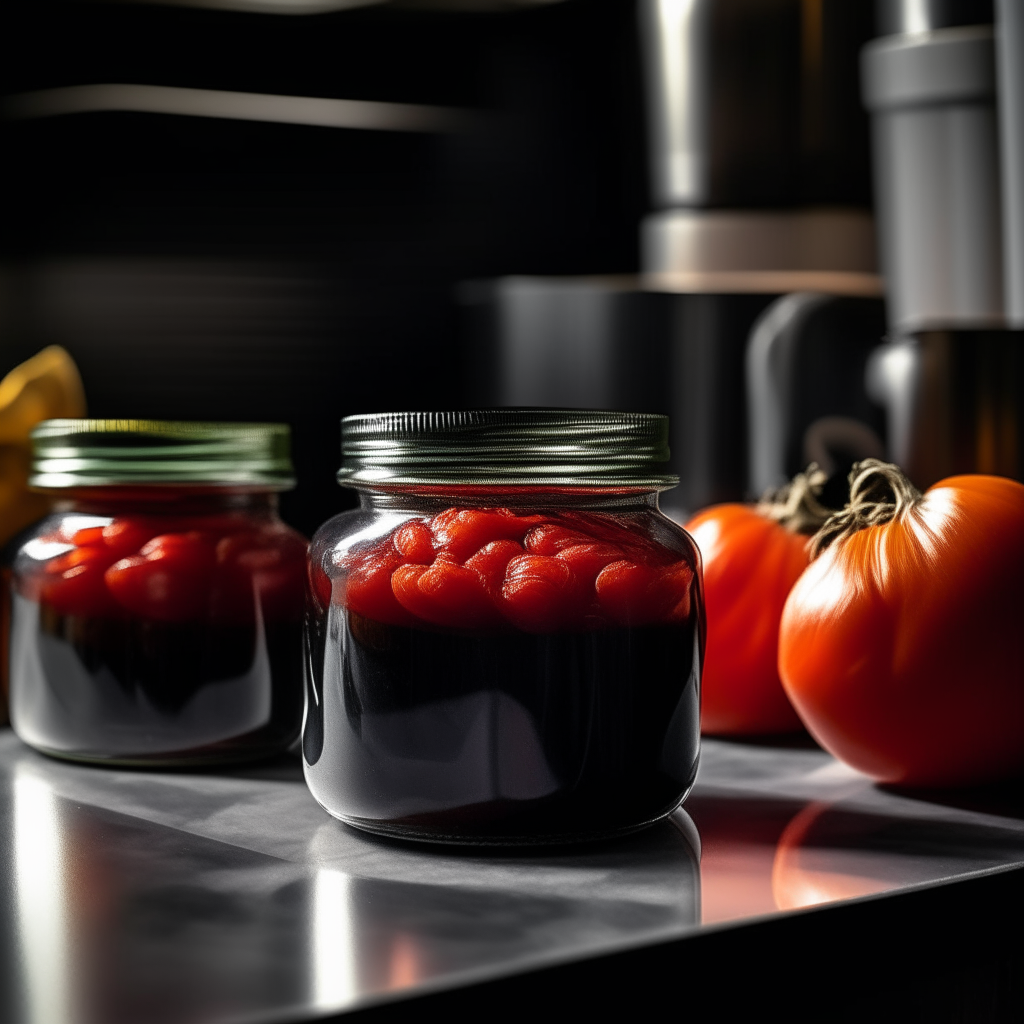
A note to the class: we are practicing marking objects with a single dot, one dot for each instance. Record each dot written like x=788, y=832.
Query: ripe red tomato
x=901, y=646
x=750, y=565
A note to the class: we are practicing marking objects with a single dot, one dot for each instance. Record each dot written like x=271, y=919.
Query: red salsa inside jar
x=158, y=623
x=503, y=673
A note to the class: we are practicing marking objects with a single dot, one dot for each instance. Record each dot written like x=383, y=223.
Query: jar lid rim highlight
x=522, y=447
x=70, y=453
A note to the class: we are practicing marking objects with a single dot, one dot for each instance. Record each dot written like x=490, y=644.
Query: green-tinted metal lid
x=94, y=453
x=494, y=447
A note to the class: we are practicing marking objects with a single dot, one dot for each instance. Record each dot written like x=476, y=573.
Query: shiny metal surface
x=196, y=897
x=316, y=111
x=833, y=249
x=954, y=401
x=936, y=157
x=748, y=106
x=1010, y=74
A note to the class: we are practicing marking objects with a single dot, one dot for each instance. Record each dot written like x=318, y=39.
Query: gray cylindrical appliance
x=932, y=95
x=1010, y=65
x=947, y=98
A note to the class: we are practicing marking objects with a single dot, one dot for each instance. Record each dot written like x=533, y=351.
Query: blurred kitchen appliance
x=805, y=366
x=612, y=343
x=947, y=99
x=747, y=407
x=1010, y=74
x=758, y=159
x=760, y=181
x=955, y=402
x=757, y=148
x=933, y=99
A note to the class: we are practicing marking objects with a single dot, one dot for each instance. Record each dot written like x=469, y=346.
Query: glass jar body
x=506, y=667
x=158, y=625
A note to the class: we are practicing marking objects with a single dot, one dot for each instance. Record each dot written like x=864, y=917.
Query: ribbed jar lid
x=92, y=453
x=493, y=447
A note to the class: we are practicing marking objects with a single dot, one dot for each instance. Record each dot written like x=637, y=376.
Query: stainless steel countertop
x=233, y=897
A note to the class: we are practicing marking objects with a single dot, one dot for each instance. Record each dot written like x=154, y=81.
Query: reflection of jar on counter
x=156, y=615
x=505, y=639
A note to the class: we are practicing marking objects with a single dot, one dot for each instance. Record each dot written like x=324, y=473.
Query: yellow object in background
x=45, y=387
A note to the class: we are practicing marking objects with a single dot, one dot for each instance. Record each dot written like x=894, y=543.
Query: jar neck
x=165, y=500
x=414, y=499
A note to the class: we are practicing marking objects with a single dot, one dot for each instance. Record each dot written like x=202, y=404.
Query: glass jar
x=156, y=615
x=504, y=642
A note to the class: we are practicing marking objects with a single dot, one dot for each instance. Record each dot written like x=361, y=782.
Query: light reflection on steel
x=239, y=106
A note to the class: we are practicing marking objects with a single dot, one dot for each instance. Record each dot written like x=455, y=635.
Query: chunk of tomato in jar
x=492, y=560
x=641, y=595
x=277, y=568
x=365, y=588
x=415, y=543
x=169, y=580
x=126, y=536
x=320, y=585
x=618, y=530
x=587, y=560
x=460, y=533
x=678, y=580
x=73, y=583
x=538, y=594
x=87, y=537
x=267, y=564
x=550, y=538
x=445, y=594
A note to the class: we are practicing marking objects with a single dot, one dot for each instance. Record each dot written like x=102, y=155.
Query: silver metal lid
x=92, y=453
x=518, y=447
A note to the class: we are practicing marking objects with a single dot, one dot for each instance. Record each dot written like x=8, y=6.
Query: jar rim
x=75, y=453
x=506, y=447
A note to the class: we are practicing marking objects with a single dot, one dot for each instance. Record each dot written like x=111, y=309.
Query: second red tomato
x=750, y=565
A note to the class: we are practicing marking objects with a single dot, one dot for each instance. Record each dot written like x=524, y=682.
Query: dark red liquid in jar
x=159, y=629
x=497, y=675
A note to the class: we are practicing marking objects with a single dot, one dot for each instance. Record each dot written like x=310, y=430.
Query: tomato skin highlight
x=750, y=566
x=901, y=646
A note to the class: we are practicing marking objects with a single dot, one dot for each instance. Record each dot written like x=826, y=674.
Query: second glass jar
x=156, y=614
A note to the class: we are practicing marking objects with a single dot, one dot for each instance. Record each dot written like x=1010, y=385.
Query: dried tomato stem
x=879, y=493
x=795, y=505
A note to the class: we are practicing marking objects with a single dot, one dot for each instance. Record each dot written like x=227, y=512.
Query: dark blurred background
x=224, y=269
x=528, y=247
